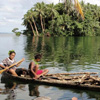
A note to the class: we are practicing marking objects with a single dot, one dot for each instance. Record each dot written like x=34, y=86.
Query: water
x=60, y=54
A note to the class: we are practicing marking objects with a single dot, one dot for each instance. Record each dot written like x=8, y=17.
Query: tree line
x=62, y=19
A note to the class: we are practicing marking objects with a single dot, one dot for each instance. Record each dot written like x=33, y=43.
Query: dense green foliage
x=62, y=19
x=15, y=30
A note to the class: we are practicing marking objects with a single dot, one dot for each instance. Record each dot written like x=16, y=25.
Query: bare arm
x=2, y=66
x=36, y=69
x=32, y=64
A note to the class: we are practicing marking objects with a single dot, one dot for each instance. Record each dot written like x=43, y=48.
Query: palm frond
x=79, y=8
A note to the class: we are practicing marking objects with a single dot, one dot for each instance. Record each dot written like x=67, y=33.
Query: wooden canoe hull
x=52, y=82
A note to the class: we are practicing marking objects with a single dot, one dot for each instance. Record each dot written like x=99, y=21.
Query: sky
x=12, y=12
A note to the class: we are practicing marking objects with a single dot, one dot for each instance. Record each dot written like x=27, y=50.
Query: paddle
x=1, y=71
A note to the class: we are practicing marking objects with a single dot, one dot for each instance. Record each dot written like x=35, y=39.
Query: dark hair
x=38, y=56
x=11, y=51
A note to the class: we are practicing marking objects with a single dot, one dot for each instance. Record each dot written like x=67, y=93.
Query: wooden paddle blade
x=1, y=71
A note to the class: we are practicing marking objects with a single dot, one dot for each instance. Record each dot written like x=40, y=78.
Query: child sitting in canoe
x=34, y=68
x=8, y=62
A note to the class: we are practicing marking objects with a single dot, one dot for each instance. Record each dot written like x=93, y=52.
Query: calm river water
x=60, y=54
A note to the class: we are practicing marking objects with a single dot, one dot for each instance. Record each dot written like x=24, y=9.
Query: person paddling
x=9, y=61
x=34, y=70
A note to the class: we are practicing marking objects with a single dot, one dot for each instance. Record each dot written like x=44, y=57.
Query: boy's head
x=38, y=57
x=12, y=54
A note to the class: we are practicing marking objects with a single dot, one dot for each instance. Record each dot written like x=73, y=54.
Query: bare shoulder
x=31, y=63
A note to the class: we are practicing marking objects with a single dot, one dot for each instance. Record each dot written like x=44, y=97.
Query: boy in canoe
x=9, y=61
x=34, y=68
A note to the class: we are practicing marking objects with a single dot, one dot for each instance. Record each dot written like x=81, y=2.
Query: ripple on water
x=98, y=62
x=87, y=63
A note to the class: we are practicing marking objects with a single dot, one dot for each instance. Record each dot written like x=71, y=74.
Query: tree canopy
x=62, y=19
x=15, y=30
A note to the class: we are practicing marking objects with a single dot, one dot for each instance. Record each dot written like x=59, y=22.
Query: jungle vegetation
x=62, y=19
x=15, y=30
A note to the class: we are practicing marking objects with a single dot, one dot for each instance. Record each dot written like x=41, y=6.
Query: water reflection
x=10, y=89
x=72, y=53
x=33, y=90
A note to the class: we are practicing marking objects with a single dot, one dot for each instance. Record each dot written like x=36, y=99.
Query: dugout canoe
x=83, y=80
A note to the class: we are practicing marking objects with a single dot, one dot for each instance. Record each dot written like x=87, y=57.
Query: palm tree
x=67, y=3
x=78, y=8
x=52, y=12
x=33, y=14
x=40, y=9
x=68, y=7
x=27, y=20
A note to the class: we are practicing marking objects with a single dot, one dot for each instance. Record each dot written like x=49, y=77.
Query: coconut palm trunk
x=65, y=4
x=32, y=28
x=71, y=5
x=35, y=26
x=42, y=23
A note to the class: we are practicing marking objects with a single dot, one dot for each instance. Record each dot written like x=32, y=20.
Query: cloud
x=5, y=8
x=92, y=1
x=12, y=12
